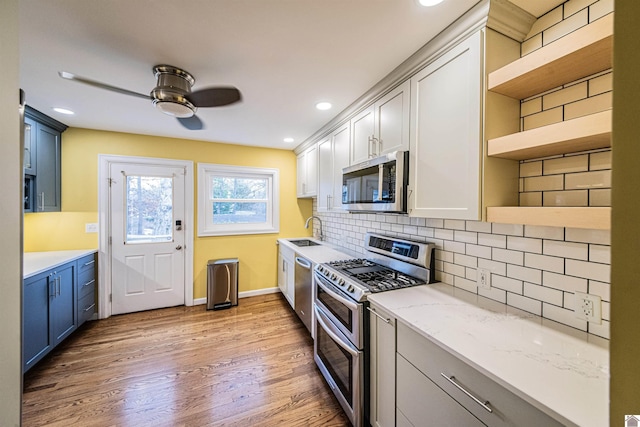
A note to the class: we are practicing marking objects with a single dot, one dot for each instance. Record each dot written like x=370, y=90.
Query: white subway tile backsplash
x=465, y=260
x=565, y=249
x=508, y=229
x=600, y=254
x=606, y=310
x=599, y=237
x=545, y=21
x=494, y=266
x=601, y=330
x=588, y=270
x=544, y=262
x=543, y=293
x=524, y=244
x=466, y=284
x=600, y=9
x=479, y=251
x=543, y=232
x=454, y=224
x=465, y=236
x=524, y=303
x=564, y=283
x=478, y=226
x=441, y=233
x=456, y=247
x=494, y=294
x=562, y=315
x=444, y=255
x=601, y=289
x=435, y=223
x=492, y=240
x=507, y=283
x=456, y=270
x=573, y=6
x=524, y=273
x=565, y=27
x=508, y=256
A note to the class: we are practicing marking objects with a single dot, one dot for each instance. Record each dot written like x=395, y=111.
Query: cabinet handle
x=41, y=201
x=89, y=263
x=329, y=202
x=90, y=307
x=89, y=283
x=384, y=319
x=52, y=286
x=452, y=380
x=58, y=279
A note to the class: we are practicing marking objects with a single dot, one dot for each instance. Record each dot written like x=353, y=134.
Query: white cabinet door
x=307, y=172
x=325, y=174
x=333, y=156
x=341, y=141
x=392, y=121
x=382, y=368
x=286, y=278
x=362, y=130
x=446, y=136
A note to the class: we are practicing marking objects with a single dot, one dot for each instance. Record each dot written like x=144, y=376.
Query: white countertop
x=560, y=370
x=324, y=252
x=37, y=262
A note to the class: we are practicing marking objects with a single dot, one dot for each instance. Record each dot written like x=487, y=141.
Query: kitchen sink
x=304, y=242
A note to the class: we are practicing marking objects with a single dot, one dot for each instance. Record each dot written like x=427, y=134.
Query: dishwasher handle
x=303, y=263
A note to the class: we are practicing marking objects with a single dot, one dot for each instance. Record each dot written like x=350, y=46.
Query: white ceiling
x=283, y=55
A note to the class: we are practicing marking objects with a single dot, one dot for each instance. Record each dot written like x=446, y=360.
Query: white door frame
x=104, y=221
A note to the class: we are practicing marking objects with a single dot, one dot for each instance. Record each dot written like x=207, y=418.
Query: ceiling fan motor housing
x=169, y=95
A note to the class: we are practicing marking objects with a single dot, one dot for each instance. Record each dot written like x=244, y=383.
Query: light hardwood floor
x=251, y=365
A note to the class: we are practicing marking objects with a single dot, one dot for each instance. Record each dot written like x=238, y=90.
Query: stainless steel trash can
x=222, y=283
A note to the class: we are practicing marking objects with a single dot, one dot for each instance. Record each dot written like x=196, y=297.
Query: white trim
x=245, y=294
x=104, y=249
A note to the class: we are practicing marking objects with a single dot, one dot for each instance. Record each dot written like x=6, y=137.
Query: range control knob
x=350, y=288
x=320, y=268
x=326, y=273
x=341, y=282
x=333, y=276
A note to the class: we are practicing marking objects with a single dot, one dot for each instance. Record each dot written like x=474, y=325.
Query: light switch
x=91, y=227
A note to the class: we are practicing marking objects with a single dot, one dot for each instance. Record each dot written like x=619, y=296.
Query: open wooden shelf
x=582, y=53
x=598, y=218
x=583, y=133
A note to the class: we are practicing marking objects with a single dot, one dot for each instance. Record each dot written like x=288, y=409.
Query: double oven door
x=339, y=346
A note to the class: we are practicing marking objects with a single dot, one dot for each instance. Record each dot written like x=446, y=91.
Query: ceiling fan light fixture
x=429, y=3
x=175, y=109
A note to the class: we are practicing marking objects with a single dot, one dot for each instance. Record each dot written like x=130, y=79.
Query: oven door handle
x=342, y=342
x=343, y=300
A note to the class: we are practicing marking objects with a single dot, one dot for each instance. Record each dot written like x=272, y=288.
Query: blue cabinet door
x=63, y=304
x=37, y=339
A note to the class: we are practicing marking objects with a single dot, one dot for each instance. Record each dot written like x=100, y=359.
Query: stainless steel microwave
x=377, y=185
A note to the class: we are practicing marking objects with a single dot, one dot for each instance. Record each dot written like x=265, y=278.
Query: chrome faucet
x=306, y=225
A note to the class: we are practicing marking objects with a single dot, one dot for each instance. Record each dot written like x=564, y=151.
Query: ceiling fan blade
x=70, y=76
x=214, y=96
x=191, y=123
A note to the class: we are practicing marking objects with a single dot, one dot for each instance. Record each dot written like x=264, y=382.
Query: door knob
x=178, y=247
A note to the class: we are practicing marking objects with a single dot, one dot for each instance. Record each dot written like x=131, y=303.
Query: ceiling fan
x=172, y=94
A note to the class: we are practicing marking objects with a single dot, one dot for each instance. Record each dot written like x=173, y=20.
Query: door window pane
x=149, y=208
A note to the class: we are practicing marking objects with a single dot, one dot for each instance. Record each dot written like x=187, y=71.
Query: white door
x=147, y=233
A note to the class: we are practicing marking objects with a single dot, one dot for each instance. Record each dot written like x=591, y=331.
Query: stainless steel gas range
x=341, y=347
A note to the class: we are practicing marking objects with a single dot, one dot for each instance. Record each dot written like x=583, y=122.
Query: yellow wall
x=80, y=150
x=625, y=226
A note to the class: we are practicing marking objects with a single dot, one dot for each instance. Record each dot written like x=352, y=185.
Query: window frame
x=206, y=227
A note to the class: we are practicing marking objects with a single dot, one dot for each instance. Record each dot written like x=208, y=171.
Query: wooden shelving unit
x=598, y=218
x=582, y=53
x=583, y=133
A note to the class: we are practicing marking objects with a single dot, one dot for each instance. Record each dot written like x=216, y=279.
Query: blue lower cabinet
x=55, y=303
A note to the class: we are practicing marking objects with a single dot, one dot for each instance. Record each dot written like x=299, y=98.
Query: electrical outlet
x=484, y=278
x=91, y=227
x=588, y=307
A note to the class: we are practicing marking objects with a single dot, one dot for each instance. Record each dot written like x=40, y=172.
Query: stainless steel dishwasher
x=303, y=291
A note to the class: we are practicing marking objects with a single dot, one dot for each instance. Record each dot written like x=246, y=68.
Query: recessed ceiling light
x=429, y=2
x=323, y=105
x=288, y=140
x=63, y=111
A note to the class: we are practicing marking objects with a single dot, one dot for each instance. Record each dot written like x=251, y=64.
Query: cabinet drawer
x=507, y=408
x=424, y=403
x=86, y=283
x=87, y=263
x=86, y=308
x=287, y=252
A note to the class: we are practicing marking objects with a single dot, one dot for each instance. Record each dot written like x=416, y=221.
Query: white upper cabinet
x=391, y=115
x=333, y=156
x=382, y=127
x=362, y=130
x=307, y=172
x=446, y=134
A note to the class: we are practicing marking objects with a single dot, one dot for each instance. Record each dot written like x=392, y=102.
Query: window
x=237, y=200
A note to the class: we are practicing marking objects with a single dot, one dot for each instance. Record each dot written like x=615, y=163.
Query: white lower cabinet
x=382, y=368
x=286, y=271
x=436, y=388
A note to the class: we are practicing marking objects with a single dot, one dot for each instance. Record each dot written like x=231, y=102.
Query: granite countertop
x=323, y=252
x=37, y=262
x=560, y=370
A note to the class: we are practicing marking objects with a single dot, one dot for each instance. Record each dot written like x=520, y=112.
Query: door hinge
x=110, y=297
x=111, y=181
x=110, y=240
